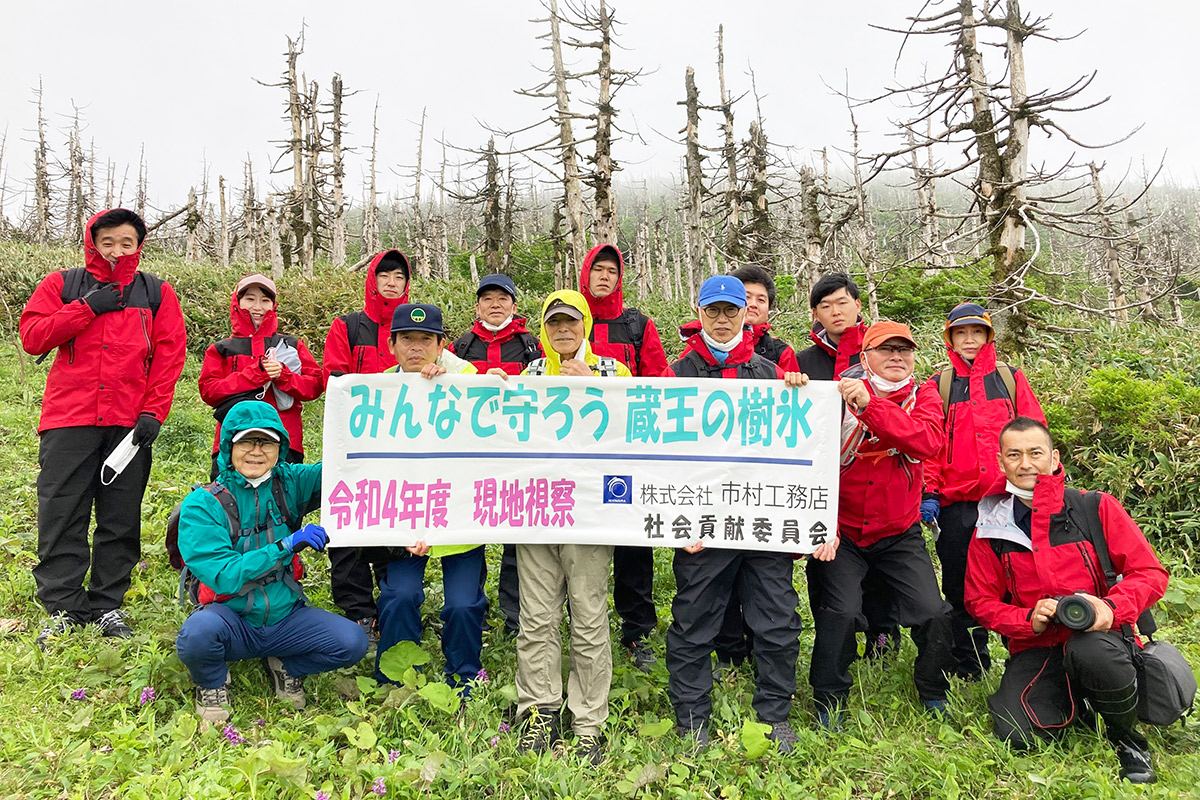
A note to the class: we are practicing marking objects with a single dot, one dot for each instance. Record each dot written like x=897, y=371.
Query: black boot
x=1133, y=751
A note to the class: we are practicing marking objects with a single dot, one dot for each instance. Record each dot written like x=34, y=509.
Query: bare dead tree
x=729, y=154
x=41, y=178
x=139, y=198
x=422, y=236
x=337, y=221
x=694, y=203
x=191, y=253
x=370, y=234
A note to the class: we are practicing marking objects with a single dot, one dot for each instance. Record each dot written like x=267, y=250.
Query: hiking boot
x=784, y=737
x=643, y=657
x=1133, y=751
x=57, y=625
x=541, y=731
x=112, y=625
x=213, y=704
x=695, y=738
x=287, y=687
x=830, y=721
x=369, y=627
x=938, y=709
x=590, y=748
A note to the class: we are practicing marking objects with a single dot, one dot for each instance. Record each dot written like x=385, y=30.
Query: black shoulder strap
x=361, y=330
x=152, y=285
x=73, y=280
x=532, y=347
x=229, y=503
x=281, y=501
x=1095, y=532
x=467, y=339
x=635, y=322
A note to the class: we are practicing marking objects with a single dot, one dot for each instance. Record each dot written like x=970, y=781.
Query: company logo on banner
x=472, y=459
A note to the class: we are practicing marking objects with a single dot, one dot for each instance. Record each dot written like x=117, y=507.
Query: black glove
x=145, y=431
x=103, y=299
x=336, y=373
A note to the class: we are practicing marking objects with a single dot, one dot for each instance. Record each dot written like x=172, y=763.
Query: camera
x=1075, y=612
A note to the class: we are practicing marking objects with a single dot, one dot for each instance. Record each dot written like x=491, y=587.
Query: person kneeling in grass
x=235, y=540
x=550, y=574
x=418, y=343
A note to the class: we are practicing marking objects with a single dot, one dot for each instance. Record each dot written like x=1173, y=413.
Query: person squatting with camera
x=1035, y=576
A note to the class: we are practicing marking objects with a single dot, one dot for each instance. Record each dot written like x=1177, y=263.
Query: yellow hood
x=575, y=300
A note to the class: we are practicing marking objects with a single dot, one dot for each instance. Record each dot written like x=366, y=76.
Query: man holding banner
x=550, y=574
x=890, y=425
x=705, y=578
x=418, y=343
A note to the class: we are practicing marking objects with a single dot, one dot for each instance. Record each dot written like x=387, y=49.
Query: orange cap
x=883, y=330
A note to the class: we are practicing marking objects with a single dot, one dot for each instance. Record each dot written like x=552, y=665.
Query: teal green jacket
x=204, y=536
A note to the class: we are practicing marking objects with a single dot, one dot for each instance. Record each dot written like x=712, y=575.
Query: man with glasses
x=890, y=425
x=238, y=537
x=704, y=578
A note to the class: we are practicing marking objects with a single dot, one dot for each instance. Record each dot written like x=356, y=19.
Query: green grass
x=110, y=746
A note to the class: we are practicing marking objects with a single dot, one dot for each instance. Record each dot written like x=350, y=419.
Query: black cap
x=497, y=281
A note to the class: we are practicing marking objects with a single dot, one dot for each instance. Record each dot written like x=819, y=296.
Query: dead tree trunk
x=224, y=257
x=422, y=237
x=337, y=224
x=371, y=241
x=1112, y=255
x=250, y=228
x=865, y=231
x=273, y=244
x=77, y=211
x=191, y=252
x=606, y=228
x=733, y=200
x=759, y=229
x=506, y=238
x=139, y=199
x=492, y=223
x=695, y=185
x=443, y=249
x=41, y=179
x=810, y=225
x=568, y=154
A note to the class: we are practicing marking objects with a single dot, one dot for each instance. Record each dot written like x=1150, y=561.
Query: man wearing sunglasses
x=890, y=425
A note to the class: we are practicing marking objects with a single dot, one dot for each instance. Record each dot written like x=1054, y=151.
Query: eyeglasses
x=896, y=349
x=712, y=312
x=248, y=445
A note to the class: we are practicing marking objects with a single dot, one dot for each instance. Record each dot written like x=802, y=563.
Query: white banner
x=473, y=459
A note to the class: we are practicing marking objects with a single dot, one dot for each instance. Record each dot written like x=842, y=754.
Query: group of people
x=966, y=451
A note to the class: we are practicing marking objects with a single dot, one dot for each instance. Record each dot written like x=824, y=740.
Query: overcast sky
x=180, y=78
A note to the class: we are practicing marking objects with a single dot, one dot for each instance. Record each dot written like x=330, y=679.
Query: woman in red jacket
x=979, y=395
x=259, y=363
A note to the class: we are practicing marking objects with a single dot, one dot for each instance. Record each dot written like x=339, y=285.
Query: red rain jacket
x=234, y=366
x=110, y=369
x=966, y=467
x=880, y=494
x=823, y=362
x=697, y=360
x=615, y=328
x=1002, y=589
x=366, y=357
x=511, y=348
x=773, y=349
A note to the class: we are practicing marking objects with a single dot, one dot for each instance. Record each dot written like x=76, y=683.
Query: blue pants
x=308, y=640
x=401, y=593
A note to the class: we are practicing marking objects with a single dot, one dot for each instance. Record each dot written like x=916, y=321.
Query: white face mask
x=882, y=384
x=496, y=328
x=256, y=482
x=119, y=458
x=1017, y=491
x=724, y=347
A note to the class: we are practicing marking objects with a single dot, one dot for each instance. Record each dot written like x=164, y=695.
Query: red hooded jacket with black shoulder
x=979, y=406
x=625, y=334
x=111, y=368
x=511, y=348
x=1008, y=572
x=822, y=361
x=233, y=367
x=772, y=348
x=365, y=350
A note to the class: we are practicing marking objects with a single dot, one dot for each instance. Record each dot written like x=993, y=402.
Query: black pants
x=735, y=640
x=957, y=522
x=1043, y=689
x=704, y=583
x=68, y=486
x=633, y=586
x=903, y=563
x=508, y=588
x=353, y=574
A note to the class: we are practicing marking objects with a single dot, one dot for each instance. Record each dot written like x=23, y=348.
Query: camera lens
x=1075, y=612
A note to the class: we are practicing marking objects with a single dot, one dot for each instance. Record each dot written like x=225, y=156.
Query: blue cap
x=418, y=317
x=497, y=281
x=723, y=289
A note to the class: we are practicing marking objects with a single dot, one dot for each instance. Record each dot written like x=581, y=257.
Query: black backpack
x=361, y=330
x=144, y=291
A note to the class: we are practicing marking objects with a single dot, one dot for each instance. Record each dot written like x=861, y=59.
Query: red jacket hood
x=757, y=332
x=243, y=324
x=738, y=355
x=609, y=307
x=378, y=307
x=120, y=272
x=984, y=363
x=514, y=327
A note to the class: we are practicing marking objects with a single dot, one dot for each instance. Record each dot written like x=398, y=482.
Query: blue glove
x=930, y=509
x=310, y=535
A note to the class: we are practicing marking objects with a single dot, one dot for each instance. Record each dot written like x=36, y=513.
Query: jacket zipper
x=1098, y=580
x=149, y=347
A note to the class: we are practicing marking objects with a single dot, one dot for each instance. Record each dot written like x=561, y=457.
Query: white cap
x=272, y=435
